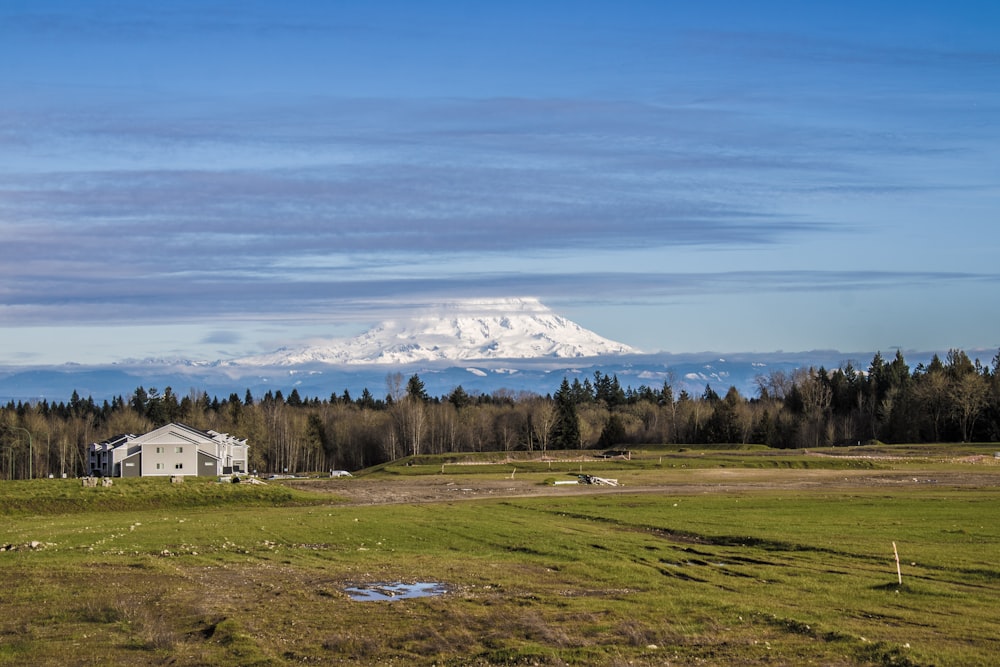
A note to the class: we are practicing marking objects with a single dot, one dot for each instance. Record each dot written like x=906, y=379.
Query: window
x=159, y=450
x=178, y=466
x=159, y=466
x=178, y=450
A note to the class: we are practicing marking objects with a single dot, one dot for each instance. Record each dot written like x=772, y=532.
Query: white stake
x=899, y=573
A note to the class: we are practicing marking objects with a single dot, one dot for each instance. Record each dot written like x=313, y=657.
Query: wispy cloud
x=521, y=181
x=223, y=337
x=236, y=162
x=185, y=215
x=162, y=298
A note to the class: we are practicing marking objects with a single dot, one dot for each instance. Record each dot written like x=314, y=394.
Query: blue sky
x=212, y=179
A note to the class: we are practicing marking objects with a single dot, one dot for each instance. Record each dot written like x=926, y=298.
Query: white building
x=174, y=449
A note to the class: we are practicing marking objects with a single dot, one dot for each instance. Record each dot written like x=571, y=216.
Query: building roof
x=172, y=430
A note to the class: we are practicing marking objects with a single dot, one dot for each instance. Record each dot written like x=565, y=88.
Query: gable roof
x=171, y=433
x=113, y=443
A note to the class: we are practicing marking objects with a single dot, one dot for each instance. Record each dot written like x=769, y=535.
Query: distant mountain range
x=484, y=346
x=458, y=331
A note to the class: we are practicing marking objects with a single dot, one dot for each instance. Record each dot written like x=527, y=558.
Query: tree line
x=951, y=400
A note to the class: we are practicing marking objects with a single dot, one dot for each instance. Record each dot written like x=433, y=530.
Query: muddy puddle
x=395, y=591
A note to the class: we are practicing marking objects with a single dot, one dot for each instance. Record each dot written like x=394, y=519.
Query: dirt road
x=443, y=488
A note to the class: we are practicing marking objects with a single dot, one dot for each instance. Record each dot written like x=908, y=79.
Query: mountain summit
x=465, y=330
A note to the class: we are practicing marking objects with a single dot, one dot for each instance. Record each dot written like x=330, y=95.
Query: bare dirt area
x=383, y=491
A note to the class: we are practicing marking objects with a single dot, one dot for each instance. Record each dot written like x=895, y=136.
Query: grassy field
x=146, y=572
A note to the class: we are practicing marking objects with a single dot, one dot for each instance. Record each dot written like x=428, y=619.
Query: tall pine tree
x=565, y=432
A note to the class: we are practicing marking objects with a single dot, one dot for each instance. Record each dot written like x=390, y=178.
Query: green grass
x=198, y=574
x=54, y=496
x=680, y=460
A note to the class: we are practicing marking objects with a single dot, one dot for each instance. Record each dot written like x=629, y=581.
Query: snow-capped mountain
x=465, y=330
x=483, y=346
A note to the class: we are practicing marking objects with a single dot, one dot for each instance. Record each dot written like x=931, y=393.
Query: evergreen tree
x=171, y=407
x=666, y=394
x=138, y=400
x=608, y=390
x=580, y=393
x=722, y=426
x=565, y=432
x=317, y=432
x=459, y=398
x=415, y=389
x=366, y=401
x=613, y=433
x=155, y=409
x=234, y=408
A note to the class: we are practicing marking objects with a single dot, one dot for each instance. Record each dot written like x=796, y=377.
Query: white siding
x=170, y=450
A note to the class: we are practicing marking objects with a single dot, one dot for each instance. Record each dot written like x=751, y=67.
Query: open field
x=702, y=557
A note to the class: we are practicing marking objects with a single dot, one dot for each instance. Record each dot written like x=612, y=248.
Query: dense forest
x=950, y=400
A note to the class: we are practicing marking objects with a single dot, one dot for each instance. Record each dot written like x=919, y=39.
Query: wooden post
x=899, y=573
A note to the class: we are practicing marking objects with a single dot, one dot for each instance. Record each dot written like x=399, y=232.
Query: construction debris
x=598, y=481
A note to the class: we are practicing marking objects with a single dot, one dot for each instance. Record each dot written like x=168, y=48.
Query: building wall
x=239, y=458
x=130, y=466
x=98, y=461
x=169, y=458
x=208, y=466
x=118, y=456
